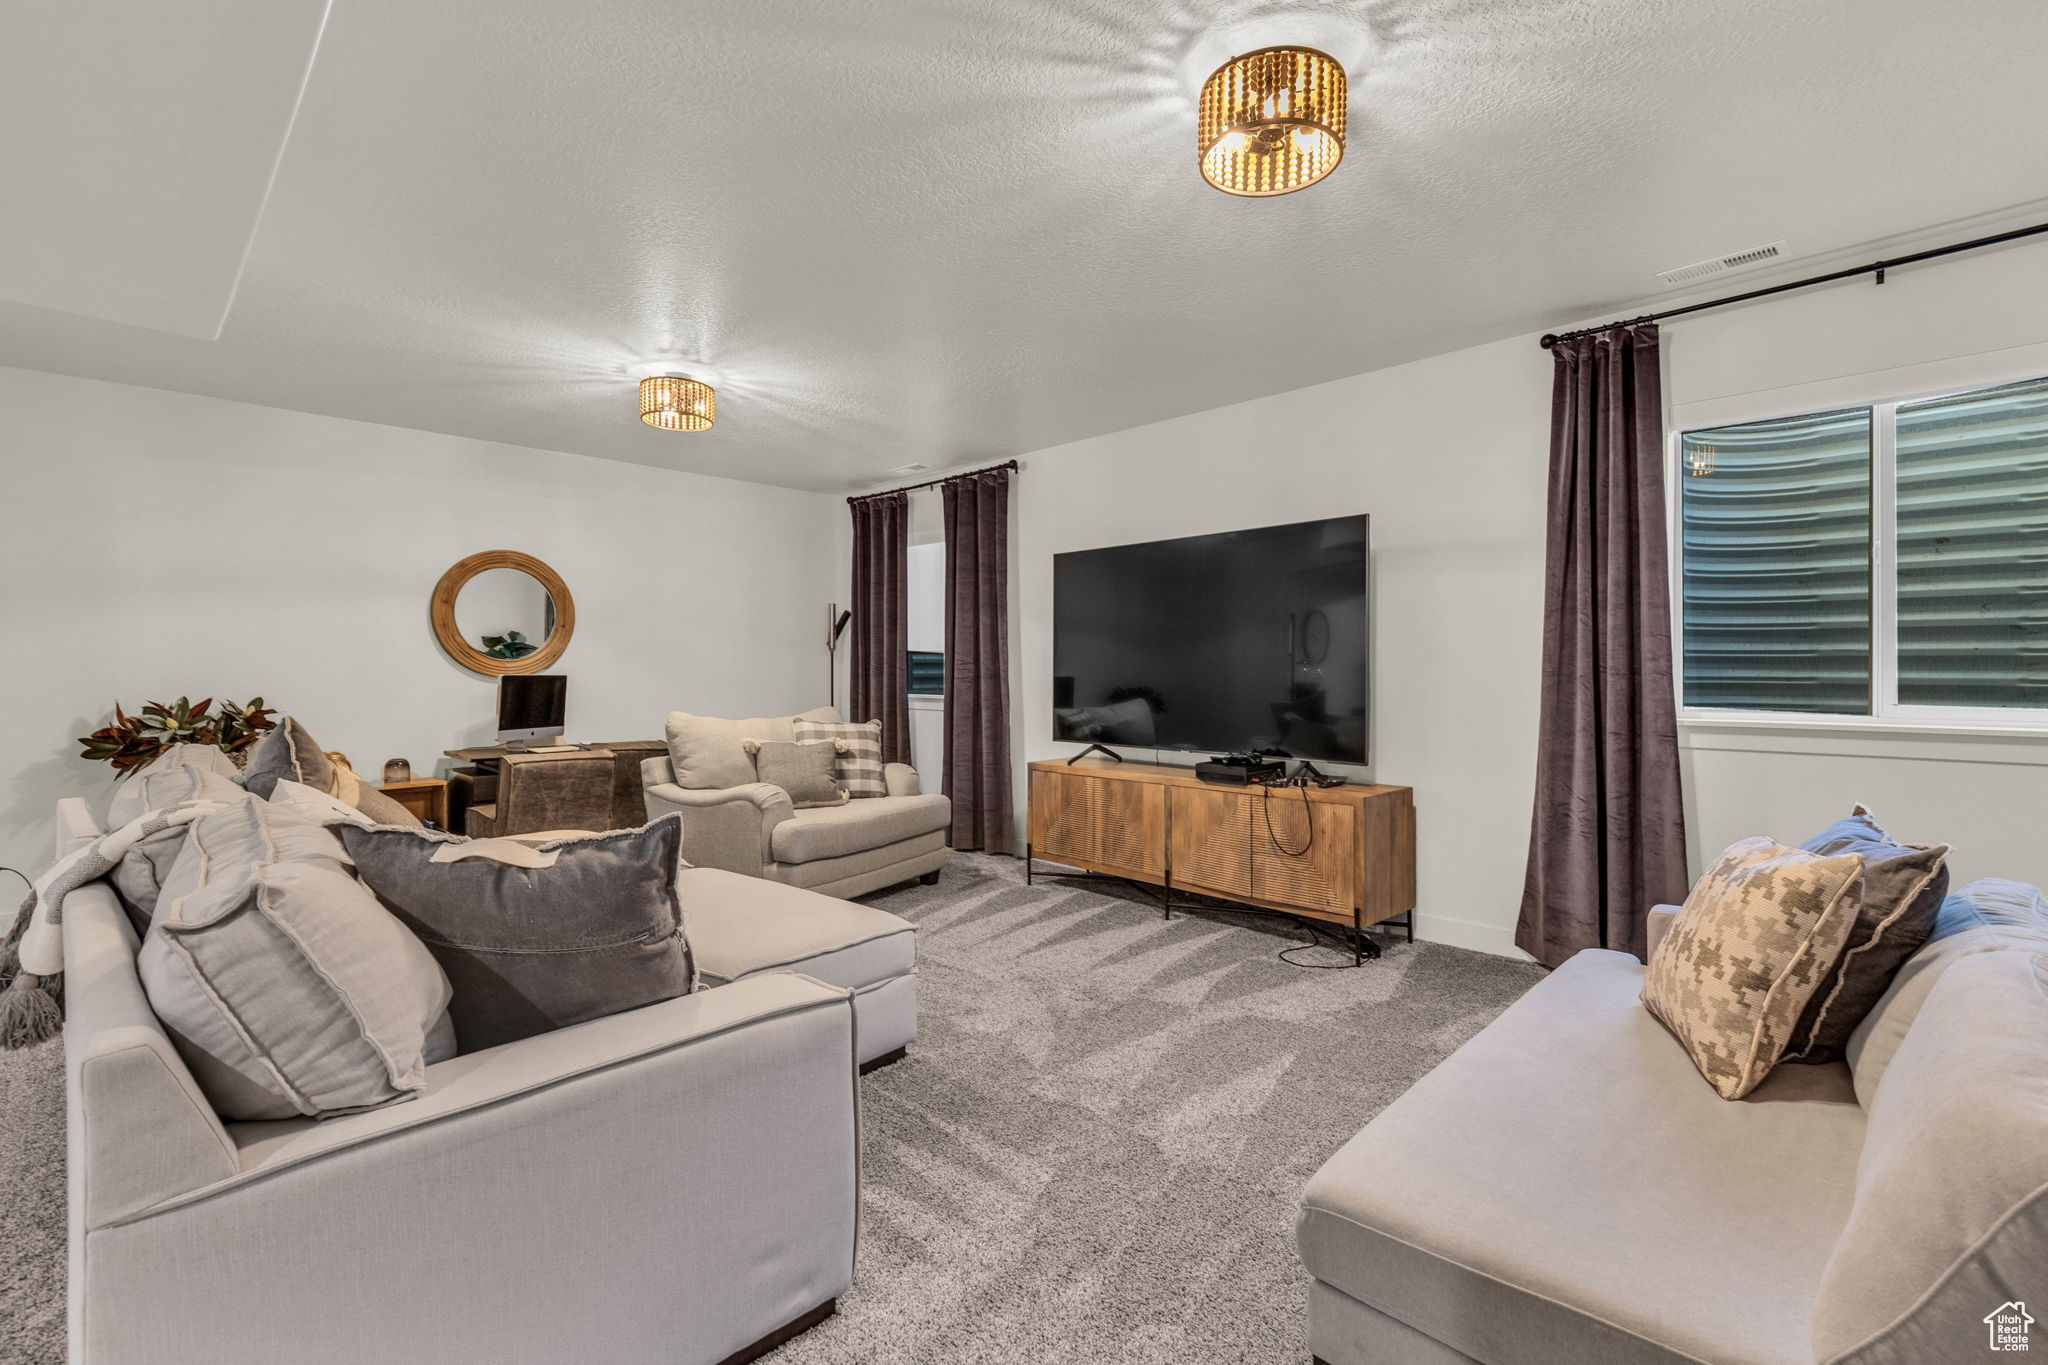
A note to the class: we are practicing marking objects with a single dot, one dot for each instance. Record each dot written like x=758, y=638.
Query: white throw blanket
x=29, y=1009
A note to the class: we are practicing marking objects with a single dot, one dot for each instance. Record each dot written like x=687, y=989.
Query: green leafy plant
x=511, y=645
x=134, y=741
x=239, y=727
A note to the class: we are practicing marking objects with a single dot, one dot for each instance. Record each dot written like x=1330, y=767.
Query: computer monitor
x=531, y=708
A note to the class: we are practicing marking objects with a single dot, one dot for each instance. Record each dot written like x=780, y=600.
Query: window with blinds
x=1888, y=561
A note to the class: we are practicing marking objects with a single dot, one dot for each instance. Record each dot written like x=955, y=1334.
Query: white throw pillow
x=283, y=982
x=311, y=801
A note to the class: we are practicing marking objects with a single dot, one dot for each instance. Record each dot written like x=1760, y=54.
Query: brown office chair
x=547, y=792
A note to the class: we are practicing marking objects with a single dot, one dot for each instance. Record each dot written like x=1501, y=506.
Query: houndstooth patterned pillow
x=1758, y=937
x=858, y=769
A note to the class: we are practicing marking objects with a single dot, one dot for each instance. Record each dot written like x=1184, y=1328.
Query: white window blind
x=1887, y=561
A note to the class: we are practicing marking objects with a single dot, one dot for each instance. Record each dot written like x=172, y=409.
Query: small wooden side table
x=425, y=797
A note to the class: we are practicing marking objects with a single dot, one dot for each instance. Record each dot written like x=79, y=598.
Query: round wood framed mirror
x=501, y=612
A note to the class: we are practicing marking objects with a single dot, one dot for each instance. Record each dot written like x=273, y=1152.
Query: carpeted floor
x=32, y=1205
x=1092, y=1153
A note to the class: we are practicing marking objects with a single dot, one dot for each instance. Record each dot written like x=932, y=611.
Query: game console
x=1241, y=770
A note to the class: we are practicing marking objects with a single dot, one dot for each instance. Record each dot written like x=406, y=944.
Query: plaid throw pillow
x=858, y=769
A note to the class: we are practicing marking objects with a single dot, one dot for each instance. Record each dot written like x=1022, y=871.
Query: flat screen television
x=1256, y=639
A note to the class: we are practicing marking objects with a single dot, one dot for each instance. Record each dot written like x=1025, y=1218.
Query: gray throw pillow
x=803, y=768
x=287, y=751
x=283, y=983
x=595, y=928
x=289, y=754
x=1903, y=887
x=858, y=768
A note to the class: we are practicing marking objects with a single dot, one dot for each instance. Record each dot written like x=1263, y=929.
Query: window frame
x=1886, y=713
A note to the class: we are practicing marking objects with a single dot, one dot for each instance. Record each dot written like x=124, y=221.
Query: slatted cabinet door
x=1212, y=840
x=1115, y=827
x=1319, y=874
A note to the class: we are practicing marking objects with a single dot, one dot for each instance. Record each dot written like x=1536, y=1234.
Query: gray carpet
x=1093, y=1152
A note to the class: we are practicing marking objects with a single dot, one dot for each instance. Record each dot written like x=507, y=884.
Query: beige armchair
x=845, y=851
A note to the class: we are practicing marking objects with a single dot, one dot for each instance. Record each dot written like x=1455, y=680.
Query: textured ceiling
x=944, y=232
x=139, y=144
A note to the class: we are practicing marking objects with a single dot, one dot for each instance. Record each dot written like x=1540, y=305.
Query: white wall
x=1964, y=322
x=1449, y=457
x=158, y=543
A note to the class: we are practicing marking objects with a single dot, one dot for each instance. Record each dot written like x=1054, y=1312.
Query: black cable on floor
x=1316, y=934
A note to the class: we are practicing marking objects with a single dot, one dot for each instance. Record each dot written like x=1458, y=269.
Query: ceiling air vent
x=1721, y=265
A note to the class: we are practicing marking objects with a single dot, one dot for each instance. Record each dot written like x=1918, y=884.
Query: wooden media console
x=1341, y=855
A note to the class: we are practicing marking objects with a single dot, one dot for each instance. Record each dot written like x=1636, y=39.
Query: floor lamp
x=835, y=626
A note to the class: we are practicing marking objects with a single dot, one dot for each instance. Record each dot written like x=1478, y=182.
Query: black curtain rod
x=1550, y=339
x=934, y=483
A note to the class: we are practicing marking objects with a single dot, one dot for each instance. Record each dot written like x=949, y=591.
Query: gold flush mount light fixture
x=673, y=403
x=1272, y=121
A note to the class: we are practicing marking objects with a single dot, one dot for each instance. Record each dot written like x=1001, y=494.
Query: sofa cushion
x=803, y=768
x=1951, y=1213
x=378, y=808
x=529, y=949
x=287, y=751
x=1563, y=1189
x=284, y=984
x=324, y=809
x=1903, y=886
x=173, y=770
x=289, y=754
x=1985, y=916
x=858, y=764
x=741, y=926
x=882, y=860
x=1755, y=941
x=139, y=877
x=834, y=831
x=707, y=754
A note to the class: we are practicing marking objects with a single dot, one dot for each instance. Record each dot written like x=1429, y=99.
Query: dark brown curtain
x=1608, y=839
x=880, y=664
x=977, y=768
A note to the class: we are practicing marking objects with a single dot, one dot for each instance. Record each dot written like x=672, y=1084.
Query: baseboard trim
x=1459, y=933
x=795, y=1327
x=886, y=1059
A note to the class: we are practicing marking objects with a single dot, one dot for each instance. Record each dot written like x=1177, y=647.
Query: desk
x=478, y=782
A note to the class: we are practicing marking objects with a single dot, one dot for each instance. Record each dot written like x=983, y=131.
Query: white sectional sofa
x=676, y=1183
x=1566, y=1189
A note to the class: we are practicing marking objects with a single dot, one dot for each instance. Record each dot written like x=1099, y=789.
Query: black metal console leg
x=1027, y=864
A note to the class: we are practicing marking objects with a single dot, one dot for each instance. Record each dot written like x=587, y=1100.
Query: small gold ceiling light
x=1272, y=121
x=673, y=403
